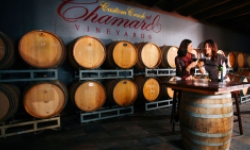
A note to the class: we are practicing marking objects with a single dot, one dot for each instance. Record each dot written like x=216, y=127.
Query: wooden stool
x=235, y=95
x=175, y=114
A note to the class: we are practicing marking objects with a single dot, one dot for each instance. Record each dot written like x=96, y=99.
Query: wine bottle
x=220, y=72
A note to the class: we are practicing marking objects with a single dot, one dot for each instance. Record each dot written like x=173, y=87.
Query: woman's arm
x=192, y=65
x=201, y=66
x=180, y=67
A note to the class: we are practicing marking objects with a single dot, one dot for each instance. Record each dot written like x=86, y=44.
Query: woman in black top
x=185, y=66
x=212, y=60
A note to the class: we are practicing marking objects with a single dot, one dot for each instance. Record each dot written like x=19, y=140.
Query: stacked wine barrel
x=9, y=101
x=7, y=51
x=41, y=49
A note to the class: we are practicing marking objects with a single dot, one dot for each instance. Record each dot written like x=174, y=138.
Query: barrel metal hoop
x=206, y=134
x=207, y=115
x=208, y=105
x=208, y=144
x=203, y=96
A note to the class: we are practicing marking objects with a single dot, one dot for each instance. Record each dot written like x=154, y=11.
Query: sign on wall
x=110, y=18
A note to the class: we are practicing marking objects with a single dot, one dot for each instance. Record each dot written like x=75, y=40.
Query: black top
x=212, y=67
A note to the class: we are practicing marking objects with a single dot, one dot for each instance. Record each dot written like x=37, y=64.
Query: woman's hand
x=200, y=63
x=192, y=65
x=189, y=77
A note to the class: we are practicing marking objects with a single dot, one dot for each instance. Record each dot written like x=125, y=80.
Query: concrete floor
x=144, y=130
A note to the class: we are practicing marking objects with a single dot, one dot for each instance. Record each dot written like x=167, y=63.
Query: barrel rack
x=28, y=75
x=105, y=112
x=15, y=127
x=159, y=73
x=29, y=125
x=105, y=74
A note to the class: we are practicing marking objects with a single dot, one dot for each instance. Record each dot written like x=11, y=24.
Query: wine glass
x=201, y=56
x=194, y=58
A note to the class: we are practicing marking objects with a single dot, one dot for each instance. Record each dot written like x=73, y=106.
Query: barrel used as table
x=206, y=121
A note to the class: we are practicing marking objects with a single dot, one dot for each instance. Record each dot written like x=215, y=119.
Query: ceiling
x=230, y=14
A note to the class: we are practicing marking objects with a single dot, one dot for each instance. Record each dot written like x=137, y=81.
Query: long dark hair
x=213, y=47
x=182, y=51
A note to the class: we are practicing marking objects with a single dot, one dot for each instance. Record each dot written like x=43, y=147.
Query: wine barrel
x=7, y=51
x=121, y=92
x=87, y=52
x=245, y=73
x=42, y=49
x=231, y=60
x=248, y=61
x=166, y=91
x=121, y=54
x=9, y=101
x=88, y=96
x=168, y=56
x=149, y=56
x=239, y=78
x=242, y=60
x=230, y=76
x=206, y=121
x=221, y=52
x=149, y=88
x=45, y=99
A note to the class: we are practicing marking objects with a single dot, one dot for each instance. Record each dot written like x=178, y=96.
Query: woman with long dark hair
x=185, y=66
x=212, y=61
